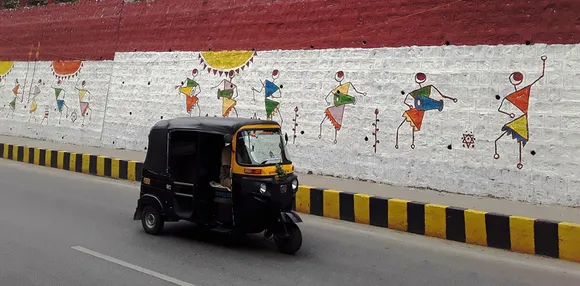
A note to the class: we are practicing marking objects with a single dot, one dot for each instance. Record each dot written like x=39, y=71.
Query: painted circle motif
x=339, y=76
x=420, y=77
x=516, y=78
x=275, y=74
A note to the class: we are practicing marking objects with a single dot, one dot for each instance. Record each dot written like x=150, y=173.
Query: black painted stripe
x=53, y=159
x=379, y=209
x=30, y=155
x=66, y=161
x=316, y=202
x=108, y=167
x=138, y=171
x=79, y=163
x=93, y=164
x=1, y=150
x=455, y=227
x=10, y=151
x=497, y=227
x=416, y=217
x=20, y=155
x=546, y=238
x=346, y=201
x=42, y=157
x=123, y=169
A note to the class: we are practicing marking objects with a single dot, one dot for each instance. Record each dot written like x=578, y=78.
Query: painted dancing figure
x=422, y=102
x=46, y=112
x=84, y=103
x=271, y=90
x=35, y=92
x=228, y=94
x=60, y=94
x=520, y=98
x=191, y=89
x=15, y=91
x=341, y=97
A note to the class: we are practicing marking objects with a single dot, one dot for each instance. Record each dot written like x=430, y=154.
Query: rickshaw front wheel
x=151, y=220
x=291, y=243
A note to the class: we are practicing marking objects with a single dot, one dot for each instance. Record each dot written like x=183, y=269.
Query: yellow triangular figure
x=82, y=93
x=33, y=106
x=520, y=126
x=186, y=90
x=343, y=88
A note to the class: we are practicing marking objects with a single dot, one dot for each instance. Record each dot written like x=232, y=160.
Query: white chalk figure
x=46, y=113
x=84, y=101
x=16, y=91
x=271, y=90
x=59, y=92
x=228, y=94
x=190, y=89
x=35, y=92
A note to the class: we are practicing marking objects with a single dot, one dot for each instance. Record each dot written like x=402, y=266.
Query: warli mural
x=271, y=91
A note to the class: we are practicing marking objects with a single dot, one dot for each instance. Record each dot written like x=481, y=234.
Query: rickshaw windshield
x=260, y=147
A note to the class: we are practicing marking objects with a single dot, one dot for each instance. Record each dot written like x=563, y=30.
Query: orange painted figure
x=228, y=94
x=422, y=101
x=520, y=98
x=190, y=89
x=341, y=97
x=18, y=94
x=84, y=101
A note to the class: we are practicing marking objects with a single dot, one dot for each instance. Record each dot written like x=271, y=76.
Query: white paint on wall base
x=142, y=90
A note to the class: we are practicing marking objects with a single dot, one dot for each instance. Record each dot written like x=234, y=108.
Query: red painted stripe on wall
x=95, y=30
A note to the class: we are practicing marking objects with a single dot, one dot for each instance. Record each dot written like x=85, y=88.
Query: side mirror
x=228, y=138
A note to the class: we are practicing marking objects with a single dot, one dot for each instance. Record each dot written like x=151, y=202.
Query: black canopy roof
x=216, y=125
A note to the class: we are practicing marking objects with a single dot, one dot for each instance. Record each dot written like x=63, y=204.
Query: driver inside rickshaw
x=225, y=178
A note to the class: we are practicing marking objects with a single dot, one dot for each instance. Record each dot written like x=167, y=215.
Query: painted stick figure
x=84, y=103
x=32, y=99
x=271, y=90
x=422, y=102
x=190, y=89
x=46, y=112
x=341, y=97
x=518, y=128
x=60, y=94
x=228, y=94
x=16, y=91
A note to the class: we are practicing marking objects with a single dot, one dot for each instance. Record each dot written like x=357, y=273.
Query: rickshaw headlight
x=262, y=188
x=294, y=184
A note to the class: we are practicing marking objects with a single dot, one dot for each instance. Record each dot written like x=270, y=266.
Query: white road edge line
x=132, y=266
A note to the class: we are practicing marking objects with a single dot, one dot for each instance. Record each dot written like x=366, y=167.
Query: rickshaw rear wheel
x=152, y=221
x=291, y=243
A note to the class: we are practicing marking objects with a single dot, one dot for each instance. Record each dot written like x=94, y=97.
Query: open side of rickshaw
x=181, y=175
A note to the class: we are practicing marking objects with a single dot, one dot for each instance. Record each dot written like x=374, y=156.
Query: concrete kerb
x=519, y=234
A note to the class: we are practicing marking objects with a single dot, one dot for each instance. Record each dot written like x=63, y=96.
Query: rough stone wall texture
x=136, y=55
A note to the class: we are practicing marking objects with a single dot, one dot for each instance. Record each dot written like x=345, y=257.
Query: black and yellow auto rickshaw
x=228, y=175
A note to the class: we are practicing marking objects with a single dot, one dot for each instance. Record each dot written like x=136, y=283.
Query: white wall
x=142, y=90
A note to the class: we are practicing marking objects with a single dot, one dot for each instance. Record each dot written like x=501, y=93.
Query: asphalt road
x=62, y=228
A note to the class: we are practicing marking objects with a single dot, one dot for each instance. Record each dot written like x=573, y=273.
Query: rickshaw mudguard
x=291, y=216
x=147, y=200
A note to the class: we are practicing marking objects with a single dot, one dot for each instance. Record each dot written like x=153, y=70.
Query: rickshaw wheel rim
x=150, y=220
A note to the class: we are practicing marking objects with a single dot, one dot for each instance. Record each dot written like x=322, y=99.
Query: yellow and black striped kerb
x=520, y=234
x=515, y=233
x=76, y=162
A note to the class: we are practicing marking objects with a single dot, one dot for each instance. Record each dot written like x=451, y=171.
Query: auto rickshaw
x=181, y=179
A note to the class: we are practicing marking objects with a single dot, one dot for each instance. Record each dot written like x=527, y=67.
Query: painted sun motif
x=5, y=68
x=66, y=69
x=223, y=62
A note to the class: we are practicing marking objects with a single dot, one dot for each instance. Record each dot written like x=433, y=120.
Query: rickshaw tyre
x=159, y=221
x=292, y=244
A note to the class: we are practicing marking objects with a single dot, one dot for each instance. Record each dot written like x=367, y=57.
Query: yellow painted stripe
x=101, y=165
x=115, y=168
x=48, y=157
x=86, y=160
x=475, y=232
x=15, y=152
x=435, y=221
x=26, y=156
x=131, y=170
x=331, y=206
x=303, y=199
x=5, y=152
x=60, y=160
x=36, y=156
x=569, y=236
x=362, y=208
x=73, y=162
x=397, y=214
x=522, y=234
